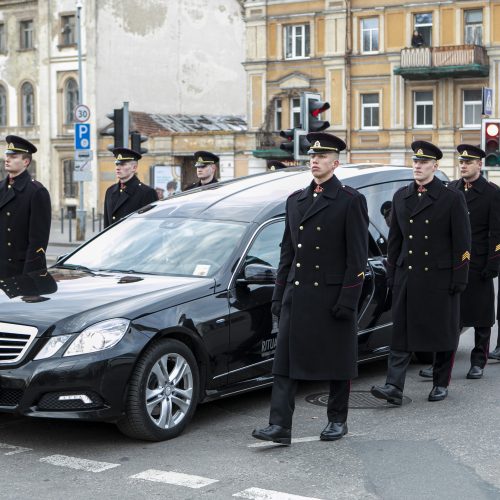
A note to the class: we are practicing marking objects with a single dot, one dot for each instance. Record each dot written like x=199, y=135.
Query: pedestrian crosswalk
x=78, y=463
x=176, y=478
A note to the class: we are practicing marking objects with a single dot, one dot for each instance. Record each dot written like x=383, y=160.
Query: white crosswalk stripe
x=78, y=463
x=176, y=478
x=260, y=494
x=13, y=450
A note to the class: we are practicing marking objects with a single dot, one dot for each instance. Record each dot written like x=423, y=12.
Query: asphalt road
x=422, y=450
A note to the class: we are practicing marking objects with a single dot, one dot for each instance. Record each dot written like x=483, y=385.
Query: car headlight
x=52, y=346
x=98, y=337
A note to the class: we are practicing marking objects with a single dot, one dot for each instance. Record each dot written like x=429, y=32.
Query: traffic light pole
x=81, y=214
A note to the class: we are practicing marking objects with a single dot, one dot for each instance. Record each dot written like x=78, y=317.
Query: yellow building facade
x=386, y=86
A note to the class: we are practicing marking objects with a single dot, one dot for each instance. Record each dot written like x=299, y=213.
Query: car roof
x=256, y=197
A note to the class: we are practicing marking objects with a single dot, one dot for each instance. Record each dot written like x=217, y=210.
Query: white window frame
x=28, y=106
x=292, y=30
x=371, y=31
x=3, y=38
x=474, y=104
x=3, y=97
x=26, y=34
x=473, y=26
x=424, y=25
x=294, y=110
x=70, y=100
x=422, y=103
x=278, y=114
x=369, y=105
x=68, y=22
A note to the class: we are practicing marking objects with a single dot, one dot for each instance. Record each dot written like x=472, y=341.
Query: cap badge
x=200, y=159
x=420, y=152
x=464, y=153
x=11, y=146
x=119, y=157
x=317, y=144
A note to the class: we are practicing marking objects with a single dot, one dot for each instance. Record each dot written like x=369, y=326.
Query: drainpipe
x=347, y=82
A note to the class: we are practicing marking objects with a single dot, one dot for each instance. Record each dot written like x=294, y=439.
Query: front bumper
x=86, y=387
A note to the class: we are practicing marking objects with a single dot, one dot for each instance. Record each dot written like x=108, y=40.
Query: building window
x=297, y=41
x=369, y=34
x=3, y=107
x=295, y=112
x=26, y=41
x=473, y=104
x=3, y=40
x=27, y=105
x=3, y=172
x=70, y=188
x=68, y=30
x=423, y=24
x=370, y=114
x=277, y=114
x=473, y=22
x=70, y=100
x=422, y=111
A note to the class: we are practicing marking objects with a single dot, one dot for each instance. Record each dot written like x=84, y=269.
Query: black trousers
x=399, y=360
x=283, y=401
x=479, y=355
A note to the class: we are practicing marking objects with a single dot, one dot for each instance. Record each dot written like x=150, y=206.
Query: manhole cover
x=358, y=400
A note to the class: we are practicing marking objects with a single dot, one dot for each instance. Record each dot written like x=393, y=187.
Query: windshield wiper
x=74, y=267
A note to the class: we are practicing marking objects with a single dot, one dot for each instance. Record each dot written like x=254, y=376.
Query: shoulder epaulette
x=493, y=185
x=349, y=190
x=296, y=192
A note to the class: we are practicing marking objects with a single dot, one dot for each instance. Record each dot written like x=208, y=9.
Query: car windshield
x=174, y=246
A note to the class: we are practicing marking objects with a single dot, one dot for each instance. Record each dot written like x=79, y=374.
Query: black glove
x=342, y=312
x=276, y=307
x=487, y=274
x=457, y=288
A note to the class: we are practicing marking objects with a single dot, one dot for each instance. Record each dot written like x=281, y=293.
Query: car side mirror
x=258, y=274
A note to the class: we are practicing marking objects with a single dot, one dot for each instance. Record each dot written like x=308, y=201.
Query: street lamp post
x=81, y=213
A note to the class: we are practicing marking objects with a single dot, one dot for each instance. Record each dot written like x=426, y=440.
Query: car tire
x=426, y=358
x=163, y=392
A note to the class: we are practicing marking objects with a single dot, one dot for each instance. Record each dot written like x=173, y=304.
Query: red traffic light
x=322, y=106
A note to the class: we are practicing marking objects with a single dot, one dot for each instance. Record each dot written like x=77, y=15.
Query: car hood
x=76, y=299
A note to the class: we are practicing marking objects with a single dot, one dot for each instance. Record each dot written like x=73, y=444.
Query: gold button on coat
x=297, y=283
x=300, y=245
x=301, y=228
x=298, y=264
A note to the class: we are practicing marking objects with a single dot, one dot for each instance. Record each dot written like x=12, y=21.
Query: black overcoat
x=120, y=202
x=428, y=251
x=25, y=216
x=322, y=263
x=477, y=303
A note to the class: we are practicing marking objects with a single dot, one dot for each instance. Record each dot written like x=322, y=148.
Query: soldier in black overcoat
x=206, y=167
x=428, y=262
x=25, y=213
x=318, y=285
x=129, y=193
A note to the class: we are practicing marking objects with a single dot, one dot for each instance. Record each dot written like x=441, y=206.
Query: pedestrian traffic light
x=117, y=129
x=288, y=144
x=490, y=141
x=136, y=139
x=311, y=106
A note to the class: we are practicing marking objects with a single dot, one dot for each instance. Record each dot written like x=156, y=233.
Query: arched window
x=3, y=106
x=27, y=105
x=70, y=99
x=70, y=187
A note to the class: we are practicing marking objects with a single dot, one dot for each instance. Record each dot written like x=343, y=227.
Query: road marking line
x=177, y=478
x=78, y=463
x=309, y=439
x=14, y=449
x=260, y=494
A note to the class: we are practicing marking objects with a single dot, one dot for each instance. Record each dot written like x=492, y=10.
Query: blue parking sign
x=82, y=136
x=487, y=101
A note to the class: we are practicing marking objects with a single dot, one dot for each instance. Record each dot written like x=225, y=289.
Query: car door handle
x=220, y=321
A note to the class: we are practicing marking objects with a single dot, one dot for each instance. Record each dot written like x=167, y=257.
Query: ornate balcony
x=457, y=61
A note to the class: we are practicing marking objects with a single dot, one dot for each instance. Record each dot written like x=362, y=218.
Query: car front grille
x=77, y=400
x=10, y=397
x=15, y=340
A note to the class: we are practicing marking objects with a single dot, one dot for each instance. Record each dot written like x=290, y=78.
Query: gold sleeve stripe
x=361, y=275
x=497, y=248
x=466, y=256
x=40, y=250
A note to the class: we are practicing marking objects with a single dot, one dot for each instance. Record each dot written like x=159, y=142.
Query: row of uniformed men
x=25, y=208
x=443, y=254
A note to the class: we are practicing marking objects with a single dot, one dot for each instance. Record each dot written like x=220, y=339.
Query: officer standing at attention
x=319, y=282
x=477, y=303
x=206, y=166
x=25, y=213
x=129, y=193
x=428, y=262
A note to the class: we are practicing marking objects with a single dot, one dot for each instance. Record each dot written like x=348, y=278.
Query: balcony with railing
x=456, y=61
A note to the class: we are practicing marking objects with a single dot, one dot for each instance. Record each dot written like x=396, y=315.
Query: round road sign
x=81, y=113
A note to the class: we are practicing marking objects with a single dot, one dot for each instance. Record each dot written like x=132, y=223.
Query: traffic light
x=490, y=141
x=288, y=145
x=136, y=139
x=117, y=131
x=311, y=106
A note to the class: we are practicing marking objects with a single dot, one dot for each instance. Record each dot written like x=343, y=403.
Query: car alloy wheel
x=163, y=392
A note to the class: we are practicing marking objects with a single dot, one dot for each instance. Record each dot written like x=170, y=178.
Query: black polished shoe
x=388, y=392
x=438, y=393
x=426, y=372
x=333, y=431
x=274, y=433
x=495, y=354
x=475, y=372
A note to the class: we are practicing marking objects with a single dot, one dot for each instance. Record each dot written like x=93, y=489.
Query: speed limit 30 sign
x=81, y=113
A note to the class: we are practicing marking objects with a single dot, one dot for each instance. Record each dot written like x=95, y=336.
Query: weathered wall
x=175, y=56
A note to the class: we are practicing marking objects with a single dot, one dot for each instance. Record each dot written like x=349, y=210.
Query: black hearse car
x=170, y=307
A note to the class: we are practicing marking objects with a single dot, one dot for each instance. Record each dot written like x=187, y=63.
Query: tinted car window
x=174, y=246
x=265, y=249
